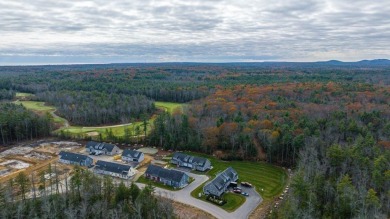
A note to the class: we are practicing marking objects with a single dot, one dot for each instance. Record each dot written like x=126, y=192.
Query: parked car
x=92, y=153
x=246, y=184
x=244, y=194
x=237, y=191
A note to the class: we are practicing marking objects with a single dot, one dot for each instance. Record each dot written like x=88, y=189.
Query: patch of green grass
x=146, y=181
x=36, y=106
x=169, y=106
x=20, y=94
x=233, y=201
x=269, y=180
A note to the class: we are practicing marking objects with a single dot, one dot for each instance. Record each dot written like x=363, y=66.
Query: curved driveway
x=184, y=196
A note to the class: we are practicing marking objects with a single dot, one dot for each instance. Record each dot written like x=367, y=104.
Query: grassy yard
x=269, y=180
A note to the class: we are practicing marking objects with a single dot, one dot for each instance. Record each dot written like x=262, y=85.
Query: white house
x=102, y=148
x=114, y=169
x=132, y=156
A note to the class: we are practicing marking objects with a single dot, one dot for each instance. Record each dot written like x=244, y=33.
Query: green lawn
x=269, y=180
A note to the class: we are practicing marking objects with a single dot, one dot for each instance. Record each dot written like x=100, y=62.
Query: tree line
x=83, y=195
x=6, y=94
x=18, y=124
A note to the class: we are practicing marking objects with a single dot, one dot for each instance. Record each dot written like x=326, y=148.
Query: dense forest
x=274, y=120
x=86, y=196
x=95, y=108
x=17, y=124
x=328, y=121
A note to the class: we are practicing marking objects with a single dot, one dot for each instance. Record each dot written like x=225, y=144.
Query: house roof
x=100, y=146
x=224, y=178
x=131, y=153
x=112, y=167
x=172, y=175
x=190, y=159
x=73, y=156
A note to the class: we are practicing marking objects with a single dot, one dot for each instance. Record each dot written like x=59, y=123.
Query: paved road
x=184, y=196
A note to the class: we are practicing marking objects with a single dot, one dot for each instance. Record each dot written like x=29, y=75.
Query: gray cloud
x=200, y=30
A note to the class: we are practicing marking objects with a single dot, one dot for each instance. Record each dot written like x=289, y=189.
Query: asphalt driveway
x=184, y=196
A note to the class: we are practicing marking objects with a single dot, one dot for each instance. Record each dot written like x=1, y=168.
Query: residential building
x=221, y=182
x=195, y=163
x=132, y=156
x=75, y=159
x=114, y=169
x=172, y=178
x=102, y=148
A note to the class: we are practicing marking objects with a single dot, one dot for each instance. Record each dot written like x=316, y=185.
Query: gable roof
x=112, y=167
x=73, y=156
x=100, y=146
x=200, y=161
x=131, y=153
x=220, y=182
x=172, y=175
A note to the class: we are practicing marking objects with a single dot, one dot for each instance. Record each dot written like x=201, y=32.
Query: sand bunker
x=91, y=134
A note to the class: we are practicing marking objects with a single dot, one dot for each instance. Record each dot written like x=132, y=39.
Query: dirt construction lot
x=32, y=157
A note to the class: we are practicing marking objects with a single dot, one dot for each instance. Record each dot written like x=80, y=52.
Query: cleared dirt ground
x=32, y=157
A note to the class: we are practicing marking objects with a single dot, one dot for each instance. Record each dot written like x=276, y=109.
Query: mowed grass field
x=19, y=94
x=269, y=180
x=36, y=106
x=118, y=130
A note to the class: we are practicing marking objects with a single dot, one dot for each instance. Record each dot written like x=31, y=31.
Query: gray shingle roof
x=190, y=159
x=100, y=146
x=112, y=167
x=221, y=181
x=131, y=153
x=172, y=175
x=72, y=156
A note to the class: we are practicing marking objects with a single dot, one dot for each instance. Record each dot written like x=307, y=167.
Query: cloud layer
x=42, y=31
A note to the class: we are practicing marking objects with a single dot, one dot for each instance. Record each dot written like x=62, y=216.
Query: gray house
x=101, y=148
x=220, y=183
x=75, y=159
x=172, y=178
x=195, y=163
x=132, y=156
x=114, y=169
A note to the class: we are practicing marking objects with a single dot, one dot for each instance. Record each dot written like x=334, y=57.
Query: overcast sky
x=106, y=31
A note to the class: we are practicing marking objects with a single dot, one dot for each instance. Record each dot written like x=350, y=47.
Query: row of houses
x=101, y=167
x=99, y=148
